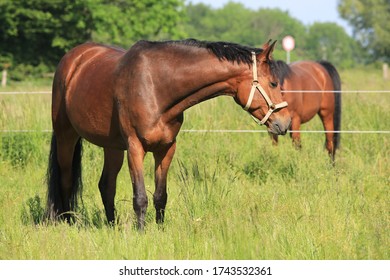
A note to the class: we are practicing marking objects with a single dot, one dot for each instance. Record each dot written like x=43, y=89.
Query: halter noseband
x=256, y=85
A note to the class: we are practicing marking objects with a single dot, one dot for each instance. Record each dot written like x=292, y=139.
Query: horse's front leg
x=274, y=138
x=113, y=160
x=135, y=156
x=163, y=159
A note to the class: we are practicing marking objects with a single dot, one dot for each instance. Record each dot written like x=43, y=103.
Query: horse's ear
x=266, y=54
x=266, y=45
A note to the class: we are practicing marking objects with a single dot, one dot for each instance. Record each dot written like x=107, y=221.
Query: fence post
x=4, y=78
x=385, y=71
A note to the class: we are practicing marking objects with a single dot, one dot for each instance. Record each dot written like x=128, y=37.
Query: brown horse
x=134, y=100
x=312, y=88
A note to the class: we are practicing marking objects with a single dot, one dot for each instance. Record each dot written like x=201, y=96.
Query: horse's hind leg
x=113, y=160
x=327, y=121
x=163, y=159
x=64, y=185
x=295, y=134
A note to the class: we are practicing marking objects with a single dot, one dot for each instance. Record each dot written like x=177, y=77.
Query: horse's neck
x=207, y=82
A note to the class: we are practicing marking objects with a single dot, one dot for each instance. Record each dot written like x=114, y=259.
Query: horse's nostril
x=280, y=128
x=277, y=127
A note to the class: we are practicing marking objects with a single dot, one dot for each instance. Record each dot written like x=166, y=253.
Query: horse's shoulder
x=140, y=53
x=142, y=46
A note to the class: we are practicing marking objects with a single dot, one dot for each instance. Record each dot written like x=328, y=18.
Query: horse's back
x=82, y=96
x=314, y=76
x=311, y=84
x=82, y=56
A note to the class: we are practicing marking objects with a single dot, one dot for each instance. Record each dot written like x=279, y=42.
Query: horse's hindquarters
x=83, y=95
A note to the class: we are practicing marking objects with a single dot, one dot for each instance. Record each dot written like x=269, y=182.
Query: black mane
x=222, y=50
x=283, y=70
x=231, y=52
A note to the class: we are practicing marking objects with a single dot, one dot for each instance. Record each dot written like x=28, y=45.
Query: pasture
x=230, y=195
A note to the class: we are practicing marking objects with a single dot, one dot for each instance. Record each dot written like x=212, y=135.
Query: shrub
x=16, y=148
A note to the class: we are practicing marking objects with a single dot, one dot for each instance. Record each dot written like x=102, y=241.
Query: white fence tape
x=221, y=130
x=24, y=92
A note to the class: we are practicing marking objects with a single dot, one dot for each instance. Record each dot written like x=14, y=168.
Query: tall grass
x=231, y=195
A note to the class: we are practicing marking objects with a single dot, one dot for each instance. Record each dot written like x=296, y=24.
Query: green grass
x=231, y=195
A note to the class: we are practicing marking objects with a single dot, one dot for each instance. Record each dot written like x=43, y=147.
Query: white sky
x=307, y=11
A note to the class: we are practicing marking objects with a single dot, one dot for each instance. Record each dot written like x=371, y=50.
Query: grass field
x=231, y=195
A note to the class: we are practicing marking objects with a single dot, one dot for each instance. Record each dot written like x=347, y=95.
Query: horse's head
x=261, y=96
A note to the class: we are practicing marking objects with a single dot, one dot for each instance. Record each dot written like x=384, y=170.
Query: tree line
x=35, y=34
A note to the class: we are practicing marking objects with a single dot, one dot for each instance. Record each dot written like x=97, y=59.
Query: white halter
x=256, y=85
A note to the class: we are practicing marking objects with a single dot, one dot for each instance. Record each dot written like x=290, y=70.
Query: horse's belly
x=107, y=142
x=308, y=115
x=111, y=138
x=105, y=139
x=95, y=120
x=311, y=106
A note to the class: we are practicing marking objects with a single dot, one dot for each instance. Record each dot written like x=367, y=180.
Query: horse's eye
x=273, y=84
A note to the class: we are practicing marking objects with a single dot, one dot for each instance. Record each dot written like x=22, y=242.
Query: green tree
x=122, y=22
x=195, y=25
x=229, y=23
x=39, y=32
x=236, y=23
x=329, y=41
x=276, y=24
x=371, y=24
x=35, y=32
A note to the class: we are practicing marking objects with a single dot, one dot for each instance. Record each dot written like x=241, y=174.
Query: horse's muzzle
x=279, y=126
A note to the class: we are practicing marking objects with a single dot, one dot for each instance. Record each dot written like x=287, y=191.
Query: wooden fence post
x=4, y=78
x=4, y=74
x=385, y=71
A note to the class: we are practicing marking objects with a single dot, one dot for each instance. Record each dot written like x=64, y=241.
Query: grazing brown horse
x=312, y=88
x=134, y=101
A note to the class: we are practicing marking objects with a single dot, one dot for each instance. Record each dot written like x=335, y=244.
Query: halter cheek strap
x=256, y=85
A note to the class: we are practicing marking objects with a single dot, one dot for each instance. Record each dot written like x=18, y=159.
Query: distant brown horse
x=312, y=88
x=134, y=100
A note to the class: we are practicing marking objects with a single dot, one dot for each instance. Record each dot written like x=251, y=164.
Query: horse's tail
x=337, y=96
x=55, y=205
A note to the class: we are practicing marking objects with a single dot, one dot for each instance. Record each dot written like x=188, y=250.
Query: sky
x=307, y=11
